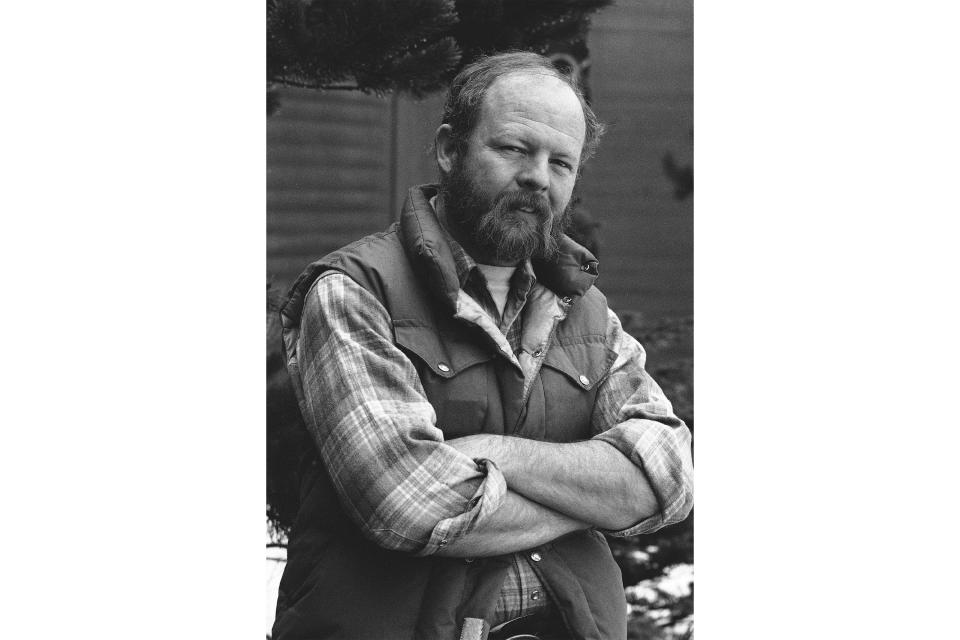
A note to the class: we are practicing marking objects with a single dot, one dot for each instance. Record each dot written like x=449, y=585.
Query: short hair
x=469, y=88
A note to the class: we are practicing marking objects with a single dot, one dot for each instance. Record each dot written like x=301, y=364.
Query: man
x=480, y=415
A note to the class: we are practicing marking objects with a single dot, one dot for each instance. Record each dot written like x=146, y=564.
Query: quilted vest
x=339, y=585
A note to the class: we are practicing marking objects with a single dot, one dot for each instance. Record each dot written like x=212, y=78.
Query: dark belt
x=534, y=627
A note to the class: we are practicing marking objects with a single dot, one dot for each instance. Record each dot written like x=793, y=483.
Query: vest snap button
x=536, y=557
x=566, y=300
x=538, y=353
x=584, y=380
x=443, y=367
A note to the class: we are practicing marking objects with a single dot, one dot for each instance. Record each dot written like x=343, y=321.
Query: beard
x=495, y=227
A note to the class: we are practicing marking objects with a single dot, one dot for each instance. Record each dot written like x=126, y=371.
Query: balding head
x=469, y=89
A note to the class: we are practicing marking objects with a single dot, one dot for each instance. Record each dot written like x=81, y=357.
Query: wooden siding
x=328, y=176
x=642, y=86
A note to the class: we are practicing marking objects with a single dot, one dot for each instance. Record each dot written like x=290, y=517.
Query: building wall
x=329, y=161
x=339, y=163
x=641, y=79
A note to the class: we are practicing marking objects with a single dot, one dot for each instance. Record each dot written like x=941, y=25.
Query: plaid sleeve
x=366, y=408
x=633, y=415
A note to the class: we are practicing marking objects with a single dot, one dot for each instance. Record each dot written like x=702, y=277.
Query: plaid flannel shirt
x=377, y=435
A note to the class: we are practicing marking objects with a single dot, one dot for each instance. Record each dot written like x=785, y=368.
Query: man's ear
x=446, y=148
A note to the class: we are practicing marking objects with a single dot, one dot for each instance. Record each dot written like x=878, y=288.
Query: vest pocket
x=454, y=375
x=584, y=361
x=571, y=374
x=445, y=355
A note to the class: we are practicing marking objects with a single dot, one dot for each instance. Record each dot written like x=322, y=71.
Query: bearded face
x=503, y=228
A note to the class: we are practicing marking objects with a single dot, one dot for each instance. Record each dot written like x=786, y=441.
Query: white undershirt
x=498, y=282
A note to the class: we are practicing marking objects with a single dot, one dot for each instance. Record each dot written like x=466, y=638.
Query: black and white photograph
x=480, y=320
x=489, y=294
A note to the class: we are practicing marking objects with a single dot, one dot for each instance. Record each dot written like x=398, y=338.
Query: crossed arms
x=553, y=489
x=410, y=490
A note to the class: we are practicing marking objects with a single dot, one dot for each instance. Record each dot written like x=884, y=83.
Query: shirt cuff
x=663, y=454
x=487, y=499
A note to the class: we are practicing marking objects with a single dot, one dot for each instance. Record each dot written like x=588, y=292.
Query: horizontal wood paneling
x=641, y=80
x=328, y=176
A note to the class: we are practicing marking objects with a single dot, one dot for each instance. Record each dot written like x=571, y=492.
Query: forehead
x=533, y=102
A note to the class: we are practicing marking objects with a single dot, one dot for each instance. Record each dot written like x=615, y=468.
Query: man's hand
x=589, y=481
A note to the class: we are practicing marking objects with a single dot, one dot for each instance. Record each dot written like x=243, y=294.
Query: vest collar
x=569, y=274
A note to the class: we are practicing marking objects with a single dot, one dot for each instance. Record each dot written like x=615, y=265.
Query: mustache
x=524, y=200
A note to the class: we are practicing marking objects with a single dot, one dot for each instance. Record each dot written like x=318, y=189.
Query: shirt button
x=566, y=300
x=535, y=594
x=536, y=557
x=443, y=542
x=443, y=367
x=584, y=380
x=538, y=353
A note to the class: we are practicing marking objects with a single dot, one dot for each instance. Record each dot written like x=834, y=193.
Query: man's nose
x=534, y=175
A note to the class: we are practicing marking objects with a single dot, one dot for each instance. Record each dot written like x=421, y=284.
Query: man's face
x=508, y=191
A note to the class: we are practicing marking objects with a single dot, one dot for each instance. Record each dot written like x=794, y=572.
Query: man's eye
x=508, y=147
x=563, y=164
